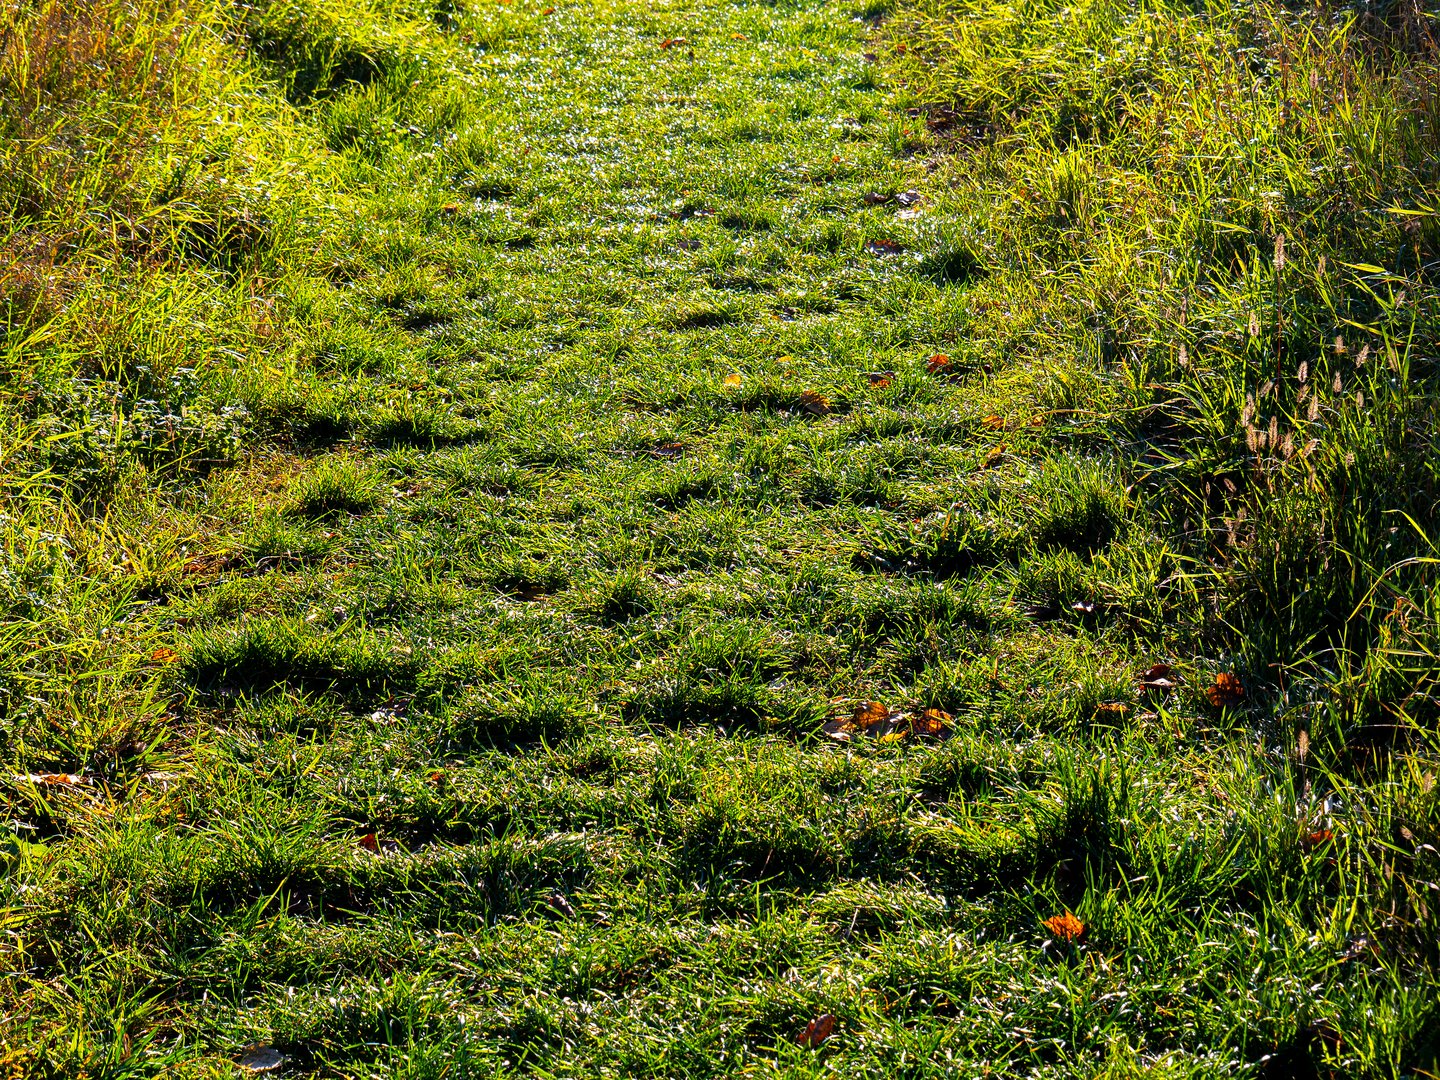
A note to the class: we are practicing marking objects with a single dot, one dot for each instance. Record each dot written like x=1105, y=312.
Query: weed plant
x=464, y=463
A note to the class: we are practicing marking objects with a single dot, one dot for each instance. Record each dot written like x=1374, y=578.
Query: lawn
x=719, y=537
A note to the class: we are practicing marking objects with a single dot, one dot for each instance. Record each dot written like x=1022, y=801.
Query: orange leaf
x=818, y=1030
x=930, y=722
x=1114, y=708
x=992, y=457
x=53, y=779
x=937, y=363
x=993, y=422
x=879, y=379
x=164, y=655
x=671, y=42
x=870, y=714
x=1065, y=927
x=1314, y=839
x=1226, y=691
x=369, y=842
x=733, y=380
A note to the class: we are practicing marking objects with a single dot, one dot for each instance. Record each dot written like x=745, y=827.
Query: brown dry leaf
x=733, y=380
x=1112, y=708
x=992, y=423
x=869, y=715
x=908, y=198
x=370, y=843
x=937, y=363
x=814, y=403
x=670, y=43
x=931, y=722
x=883, y=247
x=875, y=198
x=1156, y=677
x=992, y=457
x=164, y=655
x=53, y=779
x=1065, y=927
x=1226, y=691
x=880, y=379
x=450, y=208
x=818, y=1030
x=1314, y=839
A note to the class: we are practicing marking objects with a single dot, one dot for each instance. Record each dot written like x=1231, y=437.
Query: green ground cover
x=579, y=540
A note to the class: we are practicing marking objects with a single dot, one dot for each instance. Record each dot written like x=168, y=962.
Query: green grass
x=462, y=461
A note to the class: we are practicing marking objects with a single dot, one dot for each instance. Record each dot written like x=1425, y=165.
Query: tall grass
x=1231, y=213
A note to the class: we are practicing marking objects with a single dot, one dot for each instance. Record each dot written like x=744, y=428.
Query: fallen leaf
x=992, y=422
x=670, y=43
x=993, y=457
x=1113, y=708
x=1314, y=839
x=547, y=11
x=436, y=776
x=883, y=247
x=737, y=36
x=875, y=198
x=814, y=403
x=1065, y=927
x=53, y=779
x=818, y=1030
x=733, y=380
x=164, y=655
x=900, y=49
x=1037, y=421
x=559, y=903
x=937, y=363
x=261, y=1059
x=880, y=379
x=1226, y=691
x=869, y=57
x=1156, y=677
x=931, y=722
x=369, y=843
x=870, y=715
x=669, y=450
x=908, y=198
x=450, y=208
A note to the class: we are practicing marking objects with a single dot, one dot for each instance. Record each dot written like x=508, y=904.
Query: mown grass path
x=617, y=431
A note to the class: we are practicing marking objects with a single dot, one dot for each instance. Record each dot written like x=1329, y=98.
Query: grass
x=464, y=463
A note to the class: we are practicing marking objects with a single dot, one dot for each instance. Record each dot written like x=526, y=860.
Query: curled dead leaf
x=937, y=363
x=1226, y=691
x=1156, y=677
x=817, y=1031
x=875, y=198
x=931, y=722
x=908, y=198
x=992, y=423
x=370, y=843
x=814, y=403
x=880, y=379
x=993, y=457
x=164, y=655
x=1316, y=837
x=1111, y=708
x=670, y=43
x=261, y=1059
x=883, y=247
x=1065, y=927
